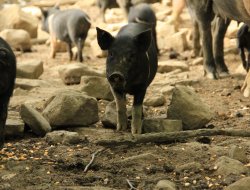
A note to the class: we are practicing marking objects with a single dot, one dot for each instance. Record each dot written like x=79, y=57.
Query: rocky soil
x=70, y=158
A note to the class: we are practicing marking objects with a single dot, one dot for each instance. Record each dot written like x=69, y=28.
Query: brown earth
x=31, y=163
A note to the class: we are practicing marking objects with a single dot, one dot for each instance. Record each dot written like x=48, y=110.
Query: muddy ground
x=31, y=163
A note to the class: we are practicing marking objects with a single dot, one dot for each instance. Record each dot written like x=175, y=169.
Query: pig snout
x=116, y=78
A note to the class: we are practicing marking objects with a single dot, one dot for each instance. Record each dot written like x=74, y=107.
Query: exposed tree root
x=170, y=137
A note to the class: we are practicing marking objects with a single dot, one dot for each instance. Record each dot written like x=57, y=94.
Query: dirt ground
x=31, y=163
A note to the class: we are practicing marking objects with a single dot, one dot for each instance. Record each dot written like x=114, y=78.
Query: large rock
x=109, y=119
x=72, y=73
x=227, y=166
x=97, y=87
x=38, y=124
x=242, y=184
x=71, y=108
x=187, y=106
x=32, y=69
x=18, y=39
x=14, y=18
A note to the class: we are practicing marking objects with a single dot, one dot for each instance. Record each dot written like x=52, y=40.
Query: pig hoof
x=224, y=74
x=211, y=75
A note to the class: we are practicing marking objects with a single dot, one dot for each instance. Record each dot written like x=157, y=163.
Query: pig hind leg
x=3, y=117
x=137, y=113
x=79, y=49
x=70, y=51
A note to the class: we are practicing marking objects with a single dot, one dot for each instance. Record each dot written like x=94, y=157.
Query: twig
x=131, y=185
x=92, y=159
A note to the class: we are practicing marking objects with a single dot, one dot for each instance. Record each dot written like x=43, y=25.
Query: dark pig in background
x=7, y=83
x=131, y=66
x=143, y=13
x=70, y=26
x=123, y=4
x=243, y=42
x=106, y=4
x=203, y=13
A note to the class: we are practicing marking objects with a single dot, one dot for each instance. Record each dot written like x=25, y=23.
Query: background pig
x=243, y=41
x=203, y=12
x=106, y=4
x=70, y=26
x=7, y=82
x=130, y=67
x=143, y=13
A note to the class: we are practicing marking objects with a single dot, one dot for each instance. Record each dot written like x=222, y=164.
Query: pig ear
x=143, y=40
x=104, y=39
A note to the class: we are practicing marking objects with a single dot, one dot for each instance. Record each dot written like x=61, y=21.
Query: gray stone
x=190, y=167
x=109, y=119
x=226, y=166
x=161, y=125
x=97, y=87
x=165, y=185
x=187, y=106
x=242, y=184
x=14, y=125
x=155, y=100
x=72, y=73
x=63, y=137
x=171, y=65
x=71, y=108
x=18, y=39
x=237, y=153
x=32, y=69
x=28, y=84
x=38, y=124
x=133, y=160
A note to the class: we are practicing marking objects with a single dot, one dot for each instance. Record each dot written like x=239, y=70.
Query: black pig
x=7, y=82
x=243, y=42
x=106, y=4
x=143, y=13
x=70, y=26
x=203, y=12
x=131, y=66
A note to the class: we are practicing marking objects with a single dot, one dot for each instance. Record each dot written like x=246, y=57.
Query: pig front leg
x=120, y=100
x=243, y=57
x=136, y=124
x=3, y=117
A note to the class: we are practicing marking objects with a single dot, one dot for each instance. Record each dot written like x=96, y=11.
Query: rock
x=71, y=108
x=177, y=41
x=109, y=119
x=14, y=125
x=32, y=69
x=238, y=153
x=167, y=90
x=242, y=184
x=72, y=73
x=189, y=167
x=155, y=101
x=28, y=84
x=38, y=124
x=171, y=65
x=13, y=17
x=18, y=39
x=187, y=106
x=97, y=87
x=63, y=137
x=226, y=166
x=33, y=10
x=161, y=125
x=84, y=188
x=165, y=185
